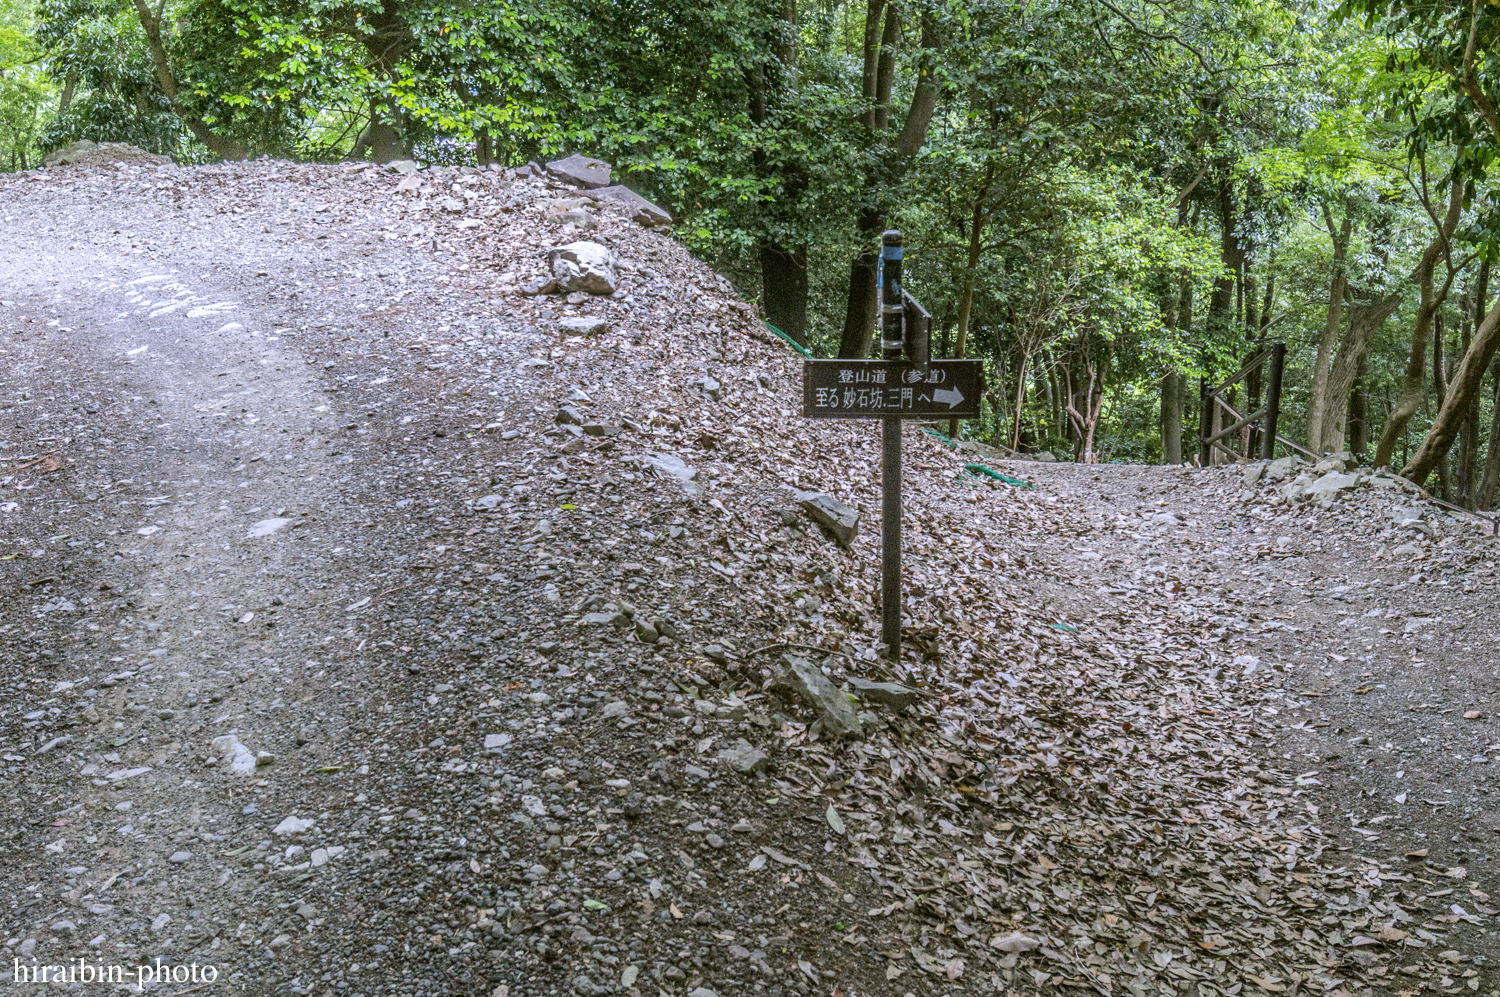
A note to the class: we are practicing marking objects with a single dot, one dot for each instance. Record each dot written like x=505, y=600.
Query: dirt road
x=1378, y=618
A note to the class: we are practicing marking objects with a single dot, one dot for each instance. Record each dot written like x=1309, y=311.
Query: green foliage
x=1109, y=191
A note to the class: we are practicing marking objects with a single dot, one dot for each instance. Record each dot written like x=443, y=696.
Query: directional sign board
x=881, y=389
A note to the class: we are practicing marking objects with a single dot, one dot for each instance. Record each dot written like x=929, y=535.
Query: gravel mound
x=87, y=153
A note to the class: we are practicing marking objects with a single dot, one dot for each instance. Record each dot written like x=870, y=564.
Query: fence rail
x=1257, y=427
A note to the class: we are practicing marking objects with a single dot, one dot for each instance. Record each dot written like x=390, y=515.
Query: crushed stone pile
x=624, y=725
x=87, y=153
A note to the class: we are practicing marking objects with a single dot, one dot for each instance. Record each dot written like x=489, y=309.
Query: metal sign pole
x=891, y=343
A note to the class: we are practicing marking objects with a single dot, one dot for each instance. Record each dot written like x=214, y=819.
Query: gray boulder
x=642, y=210
x=583, y=266
x=1330, y=484
x=1334, y=462
x=1282, y=468
x=839, y=519
x=892, y=695
x=581, y=171
x=800, y=678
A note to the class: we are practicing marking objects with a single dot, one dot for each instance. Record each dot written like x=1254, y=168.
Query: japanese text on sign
x=875, y=388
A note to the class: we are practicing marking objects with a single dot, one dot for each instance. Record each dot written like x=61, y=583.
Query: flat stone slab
x=641, y=210
x=892, y=695
x=839, y=519
x=581, y=171
x=804, y=680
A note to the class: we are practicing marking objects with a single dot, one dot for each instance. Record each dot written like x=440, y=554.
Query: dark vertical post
x=891, y=341
x=1205, y=421
x=1273, y=399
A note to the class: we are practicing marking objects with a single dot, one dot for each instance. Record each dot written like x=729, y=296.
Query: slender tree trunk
x=1086, y=422
x=859, y=312
x=885, y=65
x=1015, y=442
x=971, y=271
x=783, y=268
x=873, y=10
x=1364, y=320
x=1464, y=383
x=1486, y=497
x=70, y=85
x=1173, y=385
x=1465, y=470
x=1232, y=255
x=1359, y=431
x=1337, y=289
x=1430, y=301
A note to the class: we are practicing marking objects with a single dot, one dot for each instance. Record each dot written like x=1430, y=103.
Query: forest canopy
x=1114, y=203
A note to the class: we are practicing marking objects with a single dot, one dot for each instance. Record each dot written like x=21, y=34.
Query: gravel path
x=1377, y=615
x=377, y=625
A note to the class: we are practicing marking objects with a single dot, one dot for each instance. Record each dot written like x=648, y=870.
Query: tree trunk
x=1232, y=255
x=1462, y=387
x=222, y=147
x=1486, y=497
x=1317, y=402
x=1465, y=471
x=1173, y=386
x=1015, y=442
x=1430, y=302
x=1364, y=321
x=966, y=300
x=783, y=276
x=385, y=143
x=885, y=66
x=1359, y=430
x=70, y=85
x=1086, y=422
x=859, y=312
x=873, y=11
x=1174, y=382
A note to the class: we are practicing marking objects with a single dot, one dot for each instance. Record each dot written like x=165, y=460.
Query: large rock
x=891, y=695
x=583, y=266
x=1334, y=462
x=641, y=210
x=1330, y=484
x=1282, y=468
x=839, y=519
x=801, y=678
x=581, y=171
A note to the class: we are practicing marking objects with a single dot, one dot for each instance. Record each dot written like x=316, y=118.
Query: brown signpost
x=905, y=384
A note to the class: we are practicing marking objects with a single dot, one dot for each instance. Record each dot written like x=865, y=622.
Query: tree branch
x=1470, y=82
